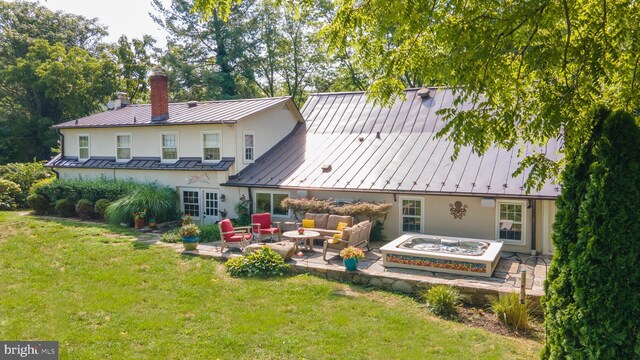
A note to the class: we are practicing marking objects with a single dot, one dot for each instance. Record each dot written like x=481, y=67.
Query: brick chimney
x=159, y=95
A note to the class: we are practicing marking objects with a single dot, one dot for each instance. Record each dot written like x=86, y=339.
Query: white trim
x=200, y=194
x=162, y=134
x=81, y=147
x=523, y=203
x=271, y=193
x=244, y=147
x=115, y=137
x=422, y=205
x=202, y=134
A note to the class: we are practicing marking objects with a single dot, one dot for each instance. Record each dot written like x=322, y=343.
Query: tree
x=204, y=56
x=592, y=302
x=535, y=69
x=134, y=60
x=52, y=68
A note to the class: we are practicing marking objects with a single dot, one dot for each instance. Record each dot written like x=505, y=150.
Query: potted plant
x=152, y=222
x=350, y=257
x=139, y=218
x=190, y=236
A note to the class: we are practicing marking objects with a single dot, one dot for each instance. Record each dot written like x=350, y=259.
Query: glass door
x=210, y=213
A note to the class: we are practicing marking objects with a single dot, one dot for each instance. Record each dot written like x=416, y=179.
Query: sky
x=128, y=17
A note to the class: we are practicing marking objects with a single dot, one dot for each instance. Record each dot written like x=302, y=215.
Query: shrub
x=25, y=175
x=38, y=203
x=65, y=208
x=242, y=209
x=209, y=233
x=443, y=300
x=101, y=206
x=262, y=263
x=304, y=205
x=92, y=190
x=171, y=236
x=84, y=208
x=510, y=312
x=376, y=231
x=9, y=191
x=160, y=202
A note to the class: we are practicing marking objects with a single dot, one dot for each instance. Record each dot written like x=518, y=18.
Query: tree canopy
x=535, y=69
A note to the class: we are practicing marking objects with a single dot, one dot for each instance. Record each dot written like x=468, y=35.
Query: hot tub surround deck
x=371, y=272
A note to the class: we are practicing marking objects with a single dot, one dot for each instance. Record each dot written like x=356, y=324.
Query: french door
x=210, y=213
x=201, y=204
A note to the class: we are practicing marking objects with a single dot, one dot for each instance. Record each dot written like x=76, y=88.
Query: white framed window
x=411, y=215
x=211, y=146
x=169, y=146
x=191, y=202
x=270, y=202
x=123, y=147
x=84, y=146
x=511, y=221
x=249, y=146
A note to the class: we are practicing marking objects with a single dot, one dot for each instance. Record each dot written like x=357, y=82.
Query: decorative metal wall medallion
x=458, y=210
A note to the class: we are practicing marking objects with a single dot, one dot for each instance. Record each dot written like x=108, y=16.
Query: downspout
x=533, y=226
x=250, y=201
x=61, y=136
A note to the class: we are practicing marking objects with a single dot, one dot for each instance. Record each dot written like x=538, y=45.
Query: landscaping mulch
x=485, y=319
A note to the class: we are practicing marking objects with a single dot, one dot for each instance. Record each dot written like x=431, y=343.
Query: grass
x=101, y=295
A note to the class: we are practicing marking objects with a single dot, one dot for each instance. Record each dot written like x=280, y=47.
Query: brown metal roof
x=341, y=130
x=205, y=112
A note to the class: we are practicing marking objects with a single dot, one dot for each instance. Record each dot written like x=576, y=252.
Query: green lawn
x=102, y=296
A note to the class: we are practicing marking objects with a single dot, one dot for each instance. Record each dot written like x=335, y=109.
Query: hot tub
x=447, y=254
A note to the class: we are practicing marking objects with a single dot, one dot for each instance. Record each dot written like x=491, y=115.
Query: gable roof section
x=341, y=130
x=205, y=112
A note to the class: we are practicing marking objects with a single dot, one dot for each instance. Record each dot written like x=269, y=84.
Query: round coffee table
x=306, y=237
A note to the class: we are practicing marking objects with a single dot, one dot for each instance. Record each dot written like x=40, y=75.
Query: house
x=351, y=150
x=339, y=146
x=193, y=147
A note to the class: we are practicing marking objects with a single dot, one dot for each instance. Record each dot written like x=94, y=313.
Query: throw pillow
x=308, y=223
x=341, y=226
x=336, y=239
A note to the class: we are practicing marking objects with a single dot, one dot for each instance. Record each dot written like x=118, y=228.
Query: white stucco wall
x=479, y=222
x=269, y=127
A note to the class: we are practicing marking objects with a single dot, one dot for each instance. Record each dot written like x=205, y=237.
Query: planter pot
x=139, y=223
x=190, y=242
x=351, y=264
x=152, y=223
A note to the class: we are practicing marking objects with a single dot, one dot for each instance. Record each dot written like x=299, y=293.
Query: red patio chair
x=263, y=226
x=238, y=237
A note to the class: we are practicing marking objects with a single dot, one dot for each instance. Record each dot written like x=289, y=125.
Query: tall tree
x=134, y=60
x=52, y=68
x=204, y=54
x=592, y=303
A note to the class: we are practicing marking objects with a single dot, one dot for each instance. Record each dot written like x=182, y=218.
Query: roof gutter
x=397, y=192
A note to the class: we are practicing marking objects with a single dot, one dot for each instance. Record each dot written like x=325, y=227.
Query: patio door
x=210, y=208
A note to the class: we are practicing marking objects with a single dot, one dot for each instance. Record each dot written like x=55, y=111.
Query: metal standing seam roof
x=342, y=130
x=204, y=112
x=140, y=163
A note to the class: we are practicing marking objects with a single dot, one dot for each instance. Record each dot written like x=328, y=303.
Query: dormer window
x=169, y=147
x=211, y=146
x=83, y=147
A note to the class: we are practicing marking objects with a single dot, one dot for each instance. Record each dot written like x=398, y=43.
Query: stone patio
x=477, y=290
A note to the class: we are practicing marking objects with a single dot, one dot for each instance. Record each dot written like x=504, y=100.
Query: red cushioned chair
x=263, y=226
x=238, y=237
